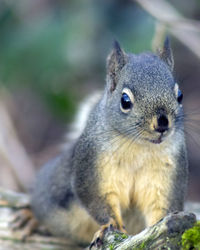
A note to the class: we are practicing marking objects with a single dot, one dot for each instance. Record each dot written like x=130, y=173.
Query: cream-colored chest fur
x=137, y=174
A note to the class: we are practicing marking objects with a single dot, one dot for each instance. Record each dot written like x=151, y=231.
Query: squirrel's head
x=143, y=101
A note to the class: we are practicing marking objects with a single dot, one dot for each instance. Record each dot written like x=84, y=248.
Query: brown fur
x=133, y=175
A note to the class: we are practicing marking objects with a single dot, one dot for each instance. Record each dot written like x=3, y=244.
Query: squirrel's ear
x=115, y=62
x=166, y=54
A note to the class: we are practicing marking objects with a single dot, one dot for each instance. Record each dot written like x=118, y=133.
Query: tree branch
x=187, y=31
x=166, y=233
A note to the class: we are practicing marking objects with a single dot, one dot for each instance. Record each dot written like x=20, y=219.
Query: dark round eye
x=126, y=103
x=179, y=97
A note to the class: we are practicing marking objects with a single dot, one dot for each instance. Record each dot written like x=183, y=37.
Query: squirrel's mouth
x=158, y=141
x=155, y=141
x=160, y=138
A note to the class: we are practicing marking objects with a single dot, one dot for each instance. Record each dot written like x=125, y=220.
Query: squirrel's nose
x=162, y=124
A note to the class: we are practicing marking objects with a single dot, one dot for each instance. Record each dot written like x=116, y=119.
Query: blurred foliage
x=57, y=47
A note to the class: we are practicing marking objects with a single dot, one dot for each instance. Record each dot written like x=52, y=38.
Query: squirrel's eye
x=178, y=93
x=179, y=97
x=126, y=103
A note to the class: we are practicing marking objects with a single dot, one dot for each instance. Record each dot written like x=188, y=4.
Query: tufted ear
x=115, y=62
x=166, y=54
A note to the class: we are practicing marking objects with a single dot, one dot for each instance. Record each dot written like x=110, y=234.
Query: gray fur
x=73, y=178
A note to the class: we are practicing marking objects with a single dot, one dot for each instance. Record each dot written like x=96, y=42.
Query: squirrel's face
x=144, y=102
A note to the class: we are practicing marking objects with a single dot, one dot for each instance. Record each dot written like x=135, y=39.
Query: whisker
x=193, y=137
x=123, y=141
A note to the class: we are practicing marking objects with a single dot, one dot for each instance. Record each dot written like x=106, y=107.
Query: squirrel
x=130, y=156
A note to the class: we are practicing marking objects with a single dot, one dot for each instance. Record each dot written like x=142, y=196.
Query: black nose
x=162, y=124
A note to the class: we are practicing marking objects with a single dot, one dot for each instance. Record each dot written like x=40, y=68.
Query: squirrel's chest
x=128, y=171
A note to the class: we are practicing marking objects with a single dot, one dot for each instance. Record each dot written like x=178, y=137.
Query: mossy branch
x=166, y=234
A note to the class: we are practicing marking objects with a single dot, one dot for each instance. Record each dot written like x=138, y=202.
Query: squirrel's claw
x=96, y=243
x=24, y=221
x=20, y=219
x=98, y=236
x=29, y=229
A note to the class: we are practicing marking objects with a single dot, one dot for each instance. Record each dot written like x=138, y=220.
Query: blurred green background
x=56, y=47
x=53, y=54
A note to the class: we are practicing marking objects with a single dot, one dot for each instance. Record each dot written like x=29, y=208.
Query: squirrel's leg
x=155, y=215
x=155, y=202
x=115, y=212
x=112, y=212
x=164, y=198
x=156, y=205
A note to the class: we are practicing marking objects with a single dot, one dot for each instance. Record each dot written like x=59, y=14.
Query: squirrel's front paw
x=98, y=236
